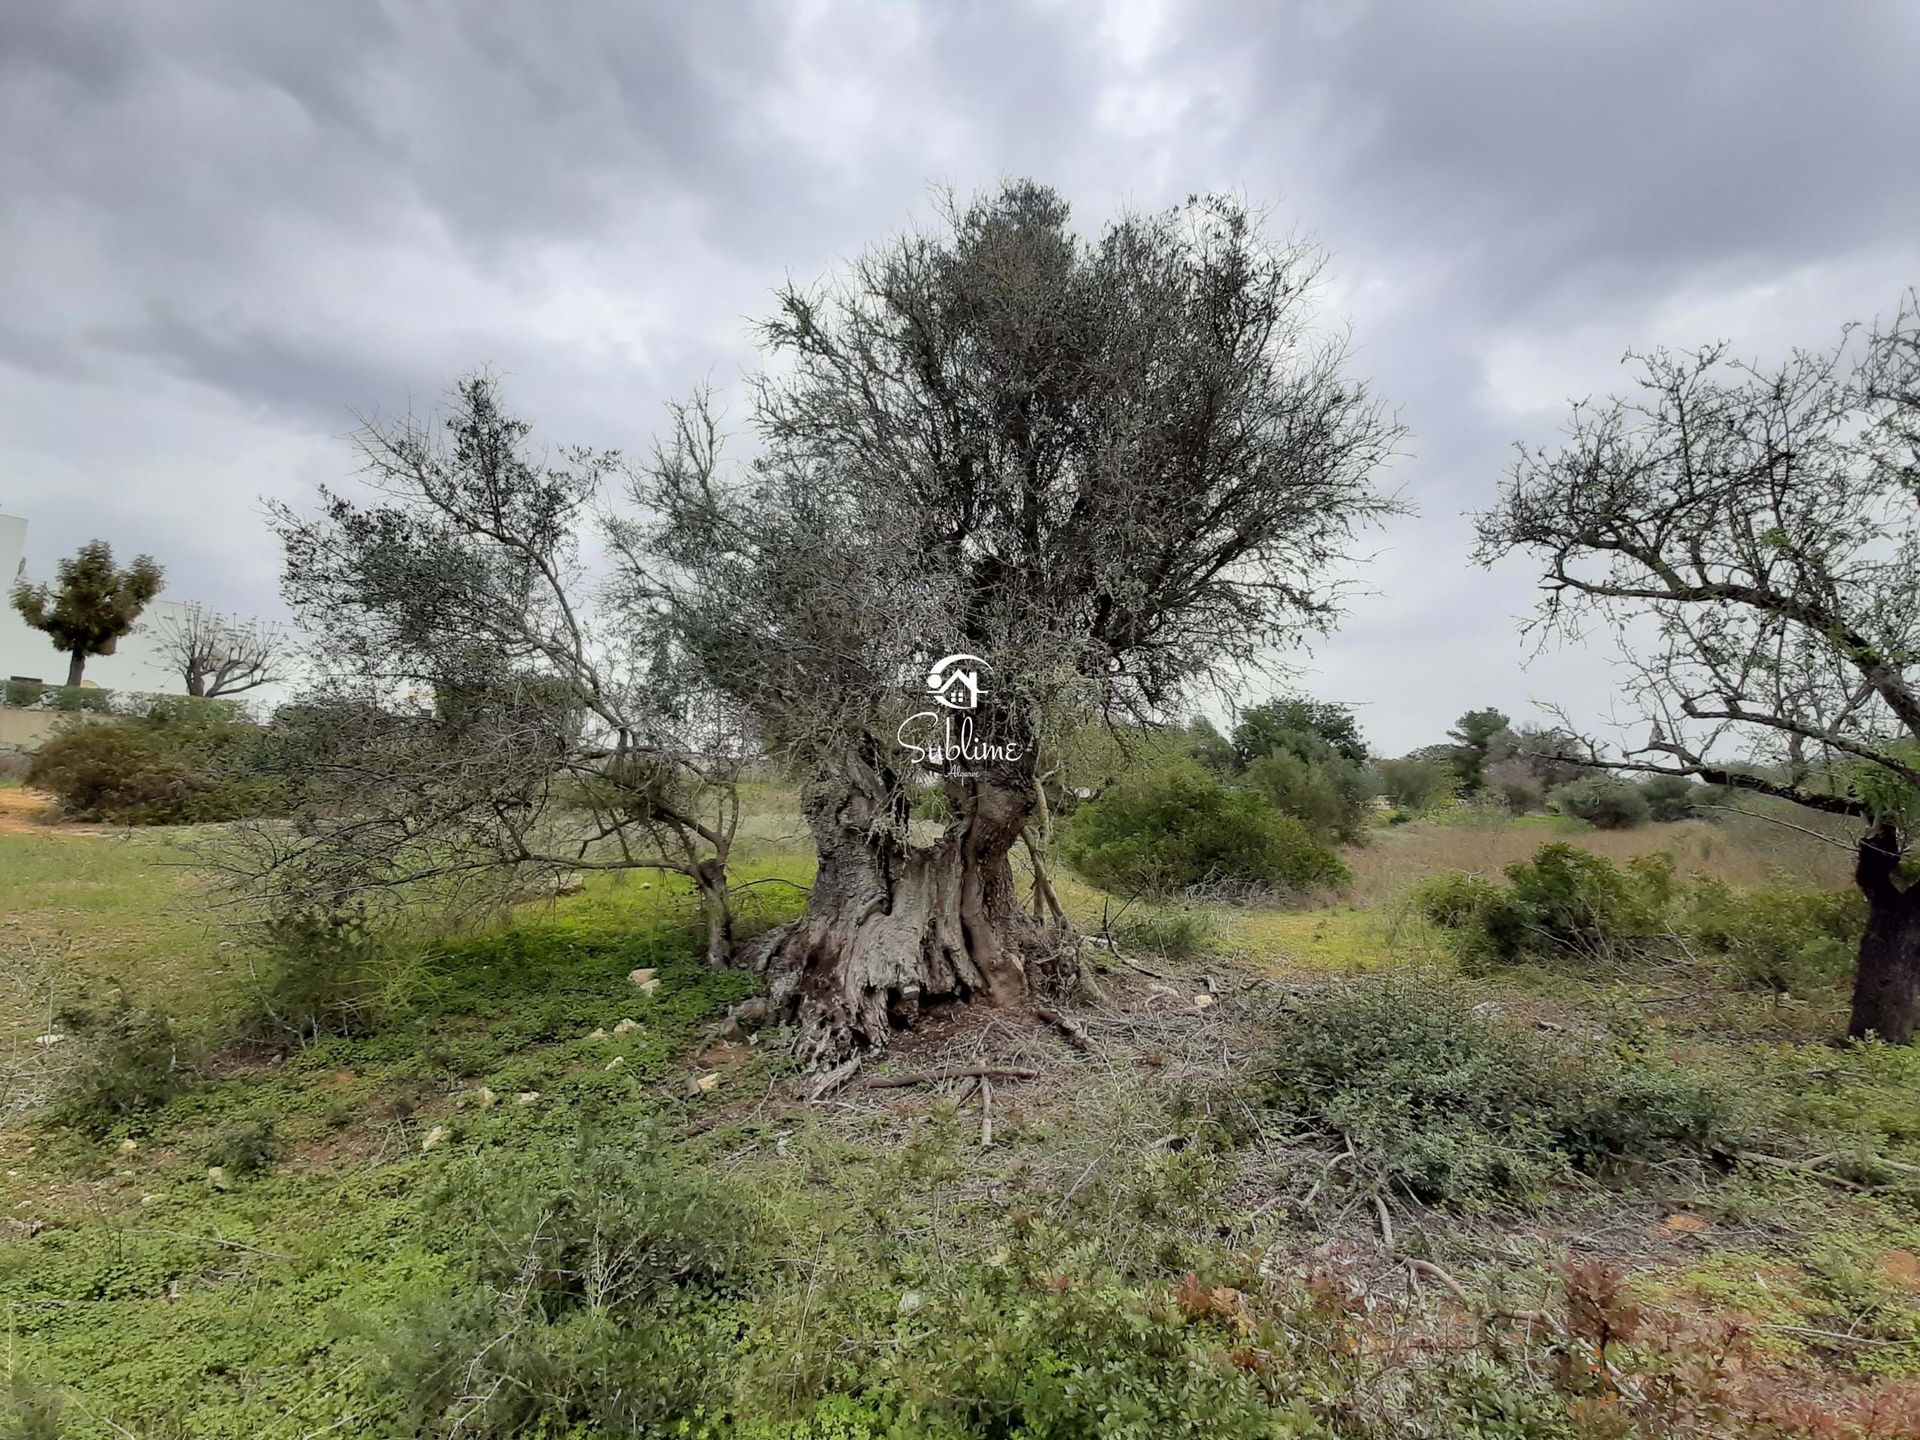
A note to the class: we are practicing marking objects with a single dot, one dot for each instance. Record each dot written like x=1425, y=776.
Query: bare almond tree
x=1753, y=537
x=218, y=654
x=1088, y=474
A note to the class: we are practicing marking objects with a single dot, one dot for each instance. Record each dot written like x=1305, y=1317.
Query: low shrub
x=179, y=761
x=1672, y=797
x=1047, y=1339
x=114, y=771
x=1456, y=1107
x=36, y=694
x=1176, y=829
x=246, y=1147
x=1565, y=901
x=1178, y=934
x=1414, y=786
x=30, y=1410
x=1603, y=802
x=595, y=1294
x=325, y=973
x=1788, y=941
x=1075, y=1358
x=129, y=1062
x=1579, y=903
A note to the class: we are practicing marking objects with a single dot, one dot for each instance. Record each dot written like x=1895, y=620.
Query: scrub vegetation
x=1314, y=1171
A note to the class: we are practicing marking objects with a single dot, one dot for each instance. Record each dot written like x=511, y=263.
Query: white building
x=28, y=654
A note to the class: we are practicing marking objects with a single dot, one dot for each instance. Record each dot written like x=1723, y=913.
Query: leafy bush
x=1283, y=722
x=30, y=1410
x=593, y=1297
x=34, y=694
x=180, y=760
x=1603, y=802
x=1072, y=1358
x=1208, y=748
x=1794, y=941
x=1052, y=1337
x=1327, y=794
x=129, y=1062
x=1672, y=797
x=1456, y=1107
x=1516, y=786
x=325, y=973
x=1414, y=786
x=1564, y=901
x=113, y=771
x=245, y=1147
x=1481, y=914
x=1170, y=830
x=1584, y=904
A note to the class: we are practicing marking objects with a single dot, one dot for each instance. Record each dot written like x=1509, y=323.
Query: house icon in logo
x=955, y=683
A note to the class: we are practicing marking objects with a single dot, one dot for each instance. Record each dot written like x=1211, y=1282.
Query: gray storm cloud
x=231, y=227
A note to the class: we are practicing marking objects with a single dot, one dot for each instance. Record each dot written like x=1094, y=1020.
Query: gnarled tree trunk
x=893, y=928
x=716, y=909
x=1886, y=986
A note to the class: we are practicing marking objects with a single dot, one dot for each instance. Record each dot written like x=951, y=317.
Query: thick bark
x=892, y=928
x=76, y=667
x=1886, y=987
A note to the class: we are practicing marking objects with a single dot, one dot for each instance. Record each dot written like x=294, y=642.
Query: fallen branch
x=986, y=1112
x=1069, y=1030
x=1386, y=1221
x=1446, y=1281
x=1800, y=1167
x=952, y=1072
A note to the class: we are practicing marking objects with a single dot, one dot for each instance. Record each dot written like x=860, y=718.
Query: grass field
x=280, y=1247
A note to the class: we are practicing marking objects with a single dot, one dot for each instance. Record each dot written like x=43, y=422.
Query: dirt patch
x=32, y=812
x=23, y=811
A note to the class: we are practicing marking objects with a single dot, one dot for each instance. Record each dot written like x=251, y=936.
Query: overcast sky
x=225, y=228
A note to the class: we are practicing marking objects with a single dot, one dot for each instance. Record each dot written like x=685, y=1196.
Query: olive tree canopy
x=1106, y=469
x=484, y=713
x=1754, y=538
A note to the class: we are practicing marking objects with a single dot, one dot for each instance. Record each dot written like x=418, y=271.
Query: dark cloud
x=231, y=226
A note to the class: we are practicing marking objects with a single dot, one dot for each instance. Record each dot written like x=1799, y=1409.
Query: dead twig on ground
x=1069, y=1030
x=952, y=1072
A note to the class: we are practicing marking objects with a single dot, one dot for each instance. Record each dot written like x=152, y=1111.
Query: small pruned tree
x=1090, y=474
x=483, y=715
x=218, y=654
x=1753, y=536
x=91, y=603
